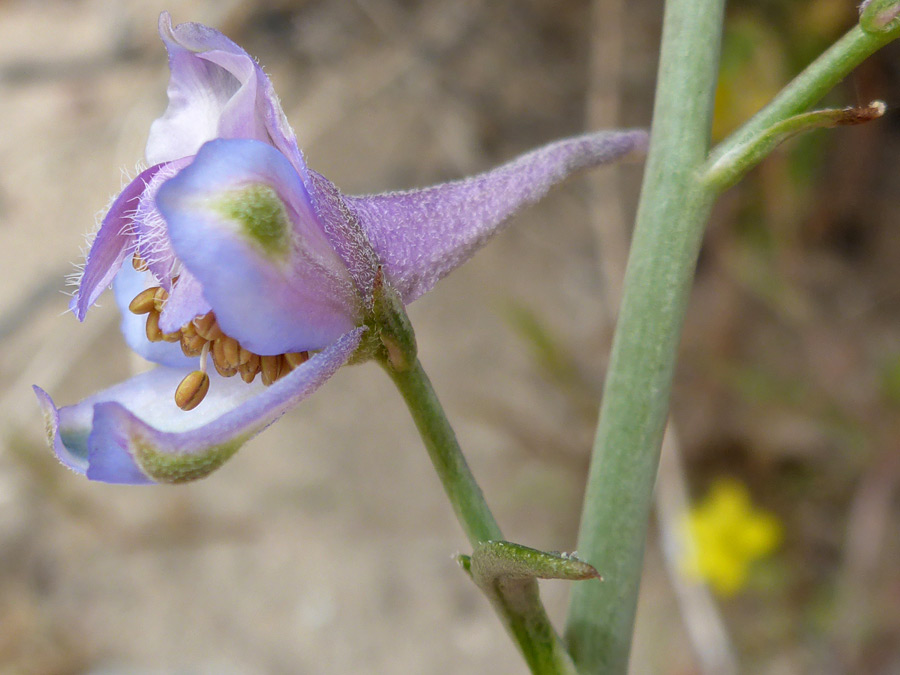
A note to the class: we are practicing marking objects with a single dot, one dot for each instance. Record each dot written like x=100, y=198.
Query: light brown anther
x=188, y=330
x=138, y=263
x=231, y=350
x=159, y=298
x=225, y=372
x=154, y=334
x=217, y=352
x=207, y=327
x=249, y=369
x=294, y=359
x=270, y=366
x=192, y=390
x=244, y=356
x=172, y=337
x=192, y=345
x=143, y=302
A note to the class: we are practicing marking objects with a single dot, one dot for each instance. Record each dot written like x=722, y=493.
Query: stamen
x=224, y=372
x=172, y=337
x=204, y=357
x=244, y=356
x=203, y=337
x=143, y=302
x=270, y=367
x=231, y=351
x=192, y=345
x=154, y=334
x=192, y=390
x=295, y=359
x=159, y=298
x=249, y=369
x=138, y=263
x=207, y=327
x=219, y=360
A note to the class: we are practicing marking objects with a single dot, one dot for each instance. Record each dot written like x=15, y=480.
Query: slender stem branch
x=808, y=87
x=519, y=608
x=729, y=168
x=671, y=217
x=468, y=501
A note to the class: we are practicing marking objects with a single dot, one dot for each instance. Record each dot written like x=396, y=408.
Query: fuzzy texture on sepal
x=420, y=236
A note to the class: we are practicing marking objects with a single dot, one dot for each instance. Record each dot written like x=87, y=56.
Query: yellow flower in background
x=725, y=535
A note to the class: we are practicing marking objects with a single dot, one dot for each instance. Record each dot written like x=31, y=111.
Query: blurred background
x=326, y=544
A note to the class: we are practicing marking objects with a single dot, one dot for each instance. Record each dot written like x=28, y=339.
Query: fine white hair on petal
x=150, y=228
x=73, y=279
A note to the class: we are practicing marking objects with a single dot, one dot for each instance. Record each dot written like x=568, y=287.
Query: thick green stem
x=519, y=608
x=671, y=217
x=675, y=202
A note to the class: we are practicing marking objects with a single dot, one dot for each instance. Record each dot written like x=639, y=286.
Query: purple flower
x=229, y=250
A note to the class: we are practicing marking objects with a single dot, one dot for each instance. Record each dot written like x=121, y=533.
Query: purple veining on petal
x=133, y=432
x=422, y=235
x=112, y=244
x=300, y=299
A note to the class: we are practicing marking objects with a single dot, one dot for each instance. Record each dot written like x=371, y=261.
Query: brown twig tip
x=861, y=115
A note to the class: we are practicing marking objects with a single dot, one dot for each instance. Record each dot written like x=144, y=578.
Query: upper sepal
x=216, y=90
x=134, y=433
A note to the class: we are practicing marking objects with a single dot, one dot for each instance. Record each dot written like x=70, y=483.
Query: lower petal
x=134, y=433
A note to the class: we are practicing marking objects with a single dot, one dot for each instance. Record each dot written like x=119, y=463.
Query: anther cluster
x=203, y=337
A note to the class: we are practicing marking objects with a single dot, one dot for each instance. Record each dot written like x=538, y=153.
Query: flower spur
x=230, y=250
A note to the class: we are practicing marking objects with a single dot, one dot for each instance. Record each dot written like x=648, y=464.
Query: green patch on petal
x=262, y=217
x=164, y=467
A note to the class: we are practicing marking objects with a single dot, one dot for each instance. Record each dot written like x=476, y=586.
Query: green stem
x=522, y=612
x=671, y=217
x=675, y=202
x=466, y=497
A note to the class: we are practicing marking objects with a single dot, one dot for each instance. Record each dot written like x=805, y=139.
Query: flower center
x=203, y=337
